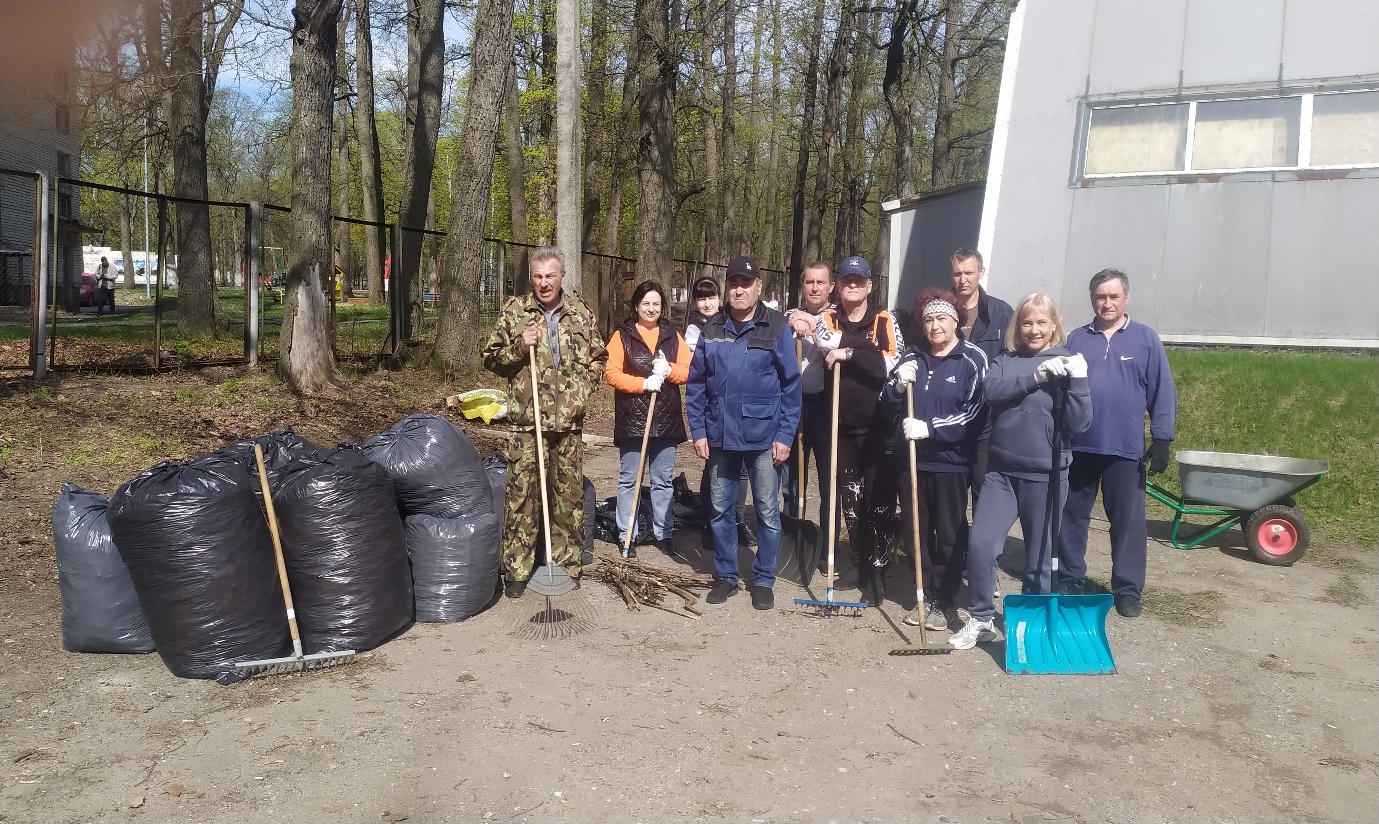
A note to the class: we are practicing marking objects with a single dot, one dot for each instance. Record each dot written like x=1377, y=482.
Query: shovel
x=1057, y=634
x=800, y=539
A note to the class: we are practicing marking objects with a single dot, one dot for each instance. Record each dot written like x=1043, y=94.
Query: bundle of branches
x=638, y=583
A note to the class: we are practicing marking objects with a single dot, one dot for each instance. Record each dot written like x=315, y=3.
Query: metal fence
x=59, y=327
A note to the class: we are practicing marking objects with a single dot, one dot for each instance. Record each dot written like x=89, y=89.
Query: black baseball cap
x=742, y=266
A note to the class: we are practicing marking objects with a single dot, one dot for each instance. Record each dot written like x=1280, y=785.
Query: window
x=1262, y=132
x=63, y=119
x=1345, y=129
x=64, y=164
x=1137, y=139
x=1247, y=134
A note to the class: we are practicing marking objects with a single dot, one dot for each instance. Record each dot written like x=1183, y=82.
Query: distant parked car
x=87, y=295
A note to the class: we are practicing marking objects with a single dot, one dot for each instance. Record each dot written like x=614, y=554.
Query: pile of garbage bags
x=181, y=559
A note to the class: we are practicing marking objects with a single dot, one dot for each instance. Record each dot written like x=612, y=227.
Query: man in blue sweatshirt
x=1128, y=374
x=743, y=404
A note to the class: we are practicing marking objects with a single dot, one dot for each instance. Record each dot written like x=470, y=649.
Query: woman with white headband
x=946, y=372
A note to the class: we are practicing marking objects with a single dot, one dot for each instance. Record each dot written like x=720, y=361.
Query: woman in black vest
x=644, y=353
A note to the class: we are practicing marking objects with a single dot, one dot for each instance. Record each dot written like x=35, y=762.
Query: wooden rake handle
x=641, y=466
x=278, y=551
x=914, y=513
x=540, y=454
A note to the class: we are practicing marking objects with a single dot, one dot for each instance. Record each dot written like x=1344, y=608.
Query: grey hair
x=967, y=253
x=1109, y=274
x=548, y=253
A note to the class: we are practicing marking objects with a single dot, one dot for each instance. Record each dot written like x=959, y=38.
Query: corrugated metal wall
x=1282, y=257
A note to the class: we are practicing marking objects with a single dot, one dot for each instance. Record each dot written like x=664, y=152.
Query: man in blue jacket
x=743, y=404
x=1128, y=374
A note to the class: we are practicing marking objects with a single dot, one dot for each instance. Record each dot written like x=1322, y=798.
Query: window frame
x=1307, y=97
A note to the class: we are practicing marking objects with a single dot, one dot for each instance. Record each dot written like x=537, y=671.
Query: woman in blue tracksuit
x=946, y=373
x=1018, y=389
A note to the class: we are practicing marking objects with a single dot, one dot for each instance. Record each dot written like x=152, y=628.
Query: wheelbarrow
x=1255, y=491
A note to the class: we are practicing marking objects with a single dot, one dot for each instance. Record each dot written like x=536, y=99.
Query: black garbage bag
x=454, y=565
x=100, y=611
x=279, y=450
x=201, y=558
x=434, y=466
x=606, y=514
x=345, y=550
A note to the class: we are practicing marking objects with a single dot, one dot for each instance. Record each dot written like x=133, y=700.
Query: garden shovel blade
x=800, y=544
x=1058, y=635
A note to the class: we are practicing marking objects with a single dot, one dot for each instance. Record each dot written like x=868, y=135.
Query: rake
x=297, y=662
x=924, y=648
x=551, y=581
x=829, y=607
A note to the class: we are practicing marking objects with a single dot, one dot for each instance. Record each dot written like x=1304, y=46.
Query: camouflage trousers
x=523, y=548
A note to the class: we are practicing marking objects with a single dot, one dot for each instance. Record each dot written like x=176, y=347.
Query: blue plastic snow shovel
x=1057, y=634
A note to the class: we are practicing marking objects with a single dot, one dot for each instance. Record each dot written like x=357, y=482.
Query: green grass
x=1318, y=405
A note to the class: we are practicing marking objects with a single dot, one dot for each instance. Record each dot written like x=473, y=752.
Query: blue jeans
x=660, y=463
x=724, y=473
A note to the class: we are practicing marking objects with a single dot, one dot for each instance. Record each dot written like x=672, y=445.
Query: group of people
x=1008, y=406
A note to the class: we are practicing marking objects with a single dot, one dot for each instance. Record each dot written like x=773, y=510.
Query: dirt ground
x=1245, y=692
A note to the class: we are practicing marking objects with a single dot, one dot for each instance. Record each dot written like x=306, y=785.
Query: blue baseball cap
x=854, y=265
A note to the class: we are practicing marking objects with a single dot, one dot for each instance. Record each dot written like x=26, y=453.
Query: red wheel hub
x=1277, y=536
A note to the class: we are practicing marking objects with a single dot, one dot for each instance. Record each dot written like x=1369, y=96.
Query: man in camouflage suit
x=569, y=356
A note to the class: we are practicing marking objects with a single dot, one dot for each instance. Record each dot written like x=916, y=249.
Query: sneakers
x=1128, y=606
x=721, y=591
x=931, y=615
x=666, y=545
x=763, y=598
x=514, y=589
x=974, y=632
x=1072, y=587
x=630, y=553
x=745, y=536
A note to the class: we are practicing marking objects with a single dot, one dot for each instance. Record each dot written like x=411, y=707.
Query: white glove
x=827, y=340
x=1076, y=366
x=915, y=429
x=1050, y=368
x=660, y=367
x=906, y=374
x=652, y=384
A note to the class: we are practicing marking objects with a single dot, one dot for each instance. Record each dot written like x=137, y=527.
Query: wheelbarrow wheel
x=1277, y=534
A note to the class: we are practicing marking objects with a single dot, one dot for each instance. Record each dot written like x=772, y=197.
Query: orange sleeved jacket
x=618, y=379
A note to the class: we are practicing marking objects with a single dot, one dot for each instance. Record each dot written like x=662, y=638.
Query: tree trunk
x=945, y=103
x=457, y=336
x=517, y=186
x=833, y=94
x=306, y=361
x=375, y=237
x=898, y=87
x=595, y=142
x=657, y=68
x=127, y=238
x=811, y=84
x=767, y=239
x=713, y=163
x=425, y=75
x=727, y=240
x=620, y=152
x=744, y=231
x=853, y=151
x=342, y=159
x=196, y=290
x=569, y=177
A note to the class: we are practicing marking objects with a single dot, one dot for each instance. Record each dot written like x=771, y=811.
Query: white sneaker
x=974, y=632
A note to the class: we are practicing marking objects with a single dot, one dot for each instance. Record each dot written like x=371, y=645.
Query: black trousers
x=866, y=492
x=942, y=530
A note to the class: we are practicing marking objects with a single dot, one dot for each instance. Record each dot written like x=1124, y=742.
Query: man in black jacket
x=987, y=319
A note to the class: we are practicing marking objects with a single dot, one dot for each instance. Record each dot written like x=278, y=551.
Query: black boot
x=876, y=589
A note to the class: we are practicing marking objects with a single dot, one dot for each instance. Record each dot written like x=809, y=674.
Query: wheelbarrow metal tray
x=1245, y=482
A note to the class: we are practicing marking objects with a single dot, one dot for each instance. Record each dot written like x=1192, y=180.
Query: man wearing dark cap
x=743, y=404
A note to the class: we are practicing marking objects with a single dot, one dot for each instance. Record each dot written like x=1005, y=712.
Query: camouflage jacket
x=564, y=390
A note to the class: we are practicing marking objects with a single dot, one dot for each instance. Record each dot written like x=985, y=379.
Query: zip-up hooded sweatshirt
x=1022, y=415
x=876, y=345
x=948, y=397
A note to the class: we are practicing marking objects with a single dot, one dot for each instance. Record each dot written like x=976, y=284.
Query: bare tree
x=370, y=170
x=517, y=181
x=834, y=74
x=457, y=336
x=342, y=158
x=728, y=146
x=306, y=361
x=197, y=304
x=811, y=75
x=569, y=201
x=425, y=76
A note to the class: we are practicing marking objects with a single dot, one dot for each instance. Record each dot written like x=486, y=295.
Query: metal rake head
x=293, y=665
x=921, y=651
x=568, y=617
x=828, y=609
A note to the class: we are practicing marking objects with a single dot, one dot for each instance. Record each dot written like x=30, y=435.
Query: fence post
x=39, y=287
x=397, y=300
x=253, y=266
x=158, y=286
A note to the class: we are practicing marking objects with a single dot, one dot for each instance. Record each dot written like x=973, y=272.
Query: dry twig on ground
x=638, y=583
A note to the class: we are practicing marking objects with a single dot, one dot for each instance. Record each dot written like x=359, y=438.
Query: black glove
x=1157, y=456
